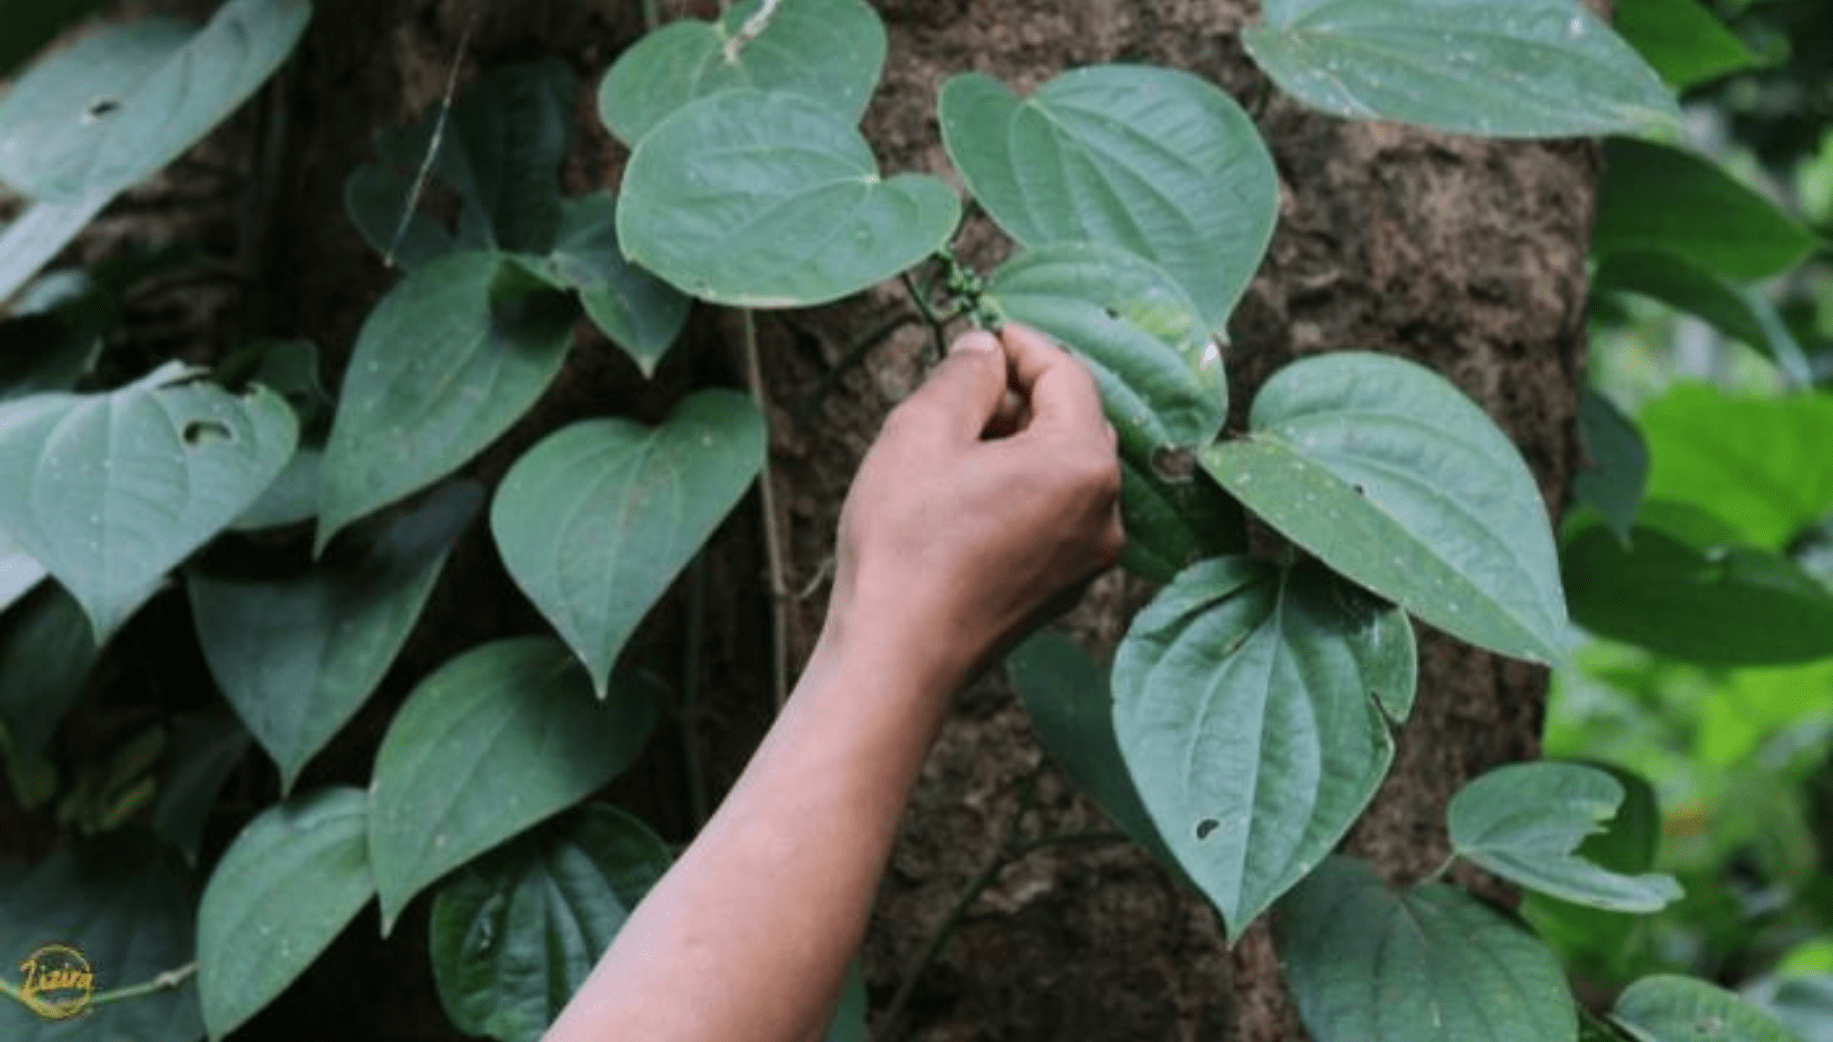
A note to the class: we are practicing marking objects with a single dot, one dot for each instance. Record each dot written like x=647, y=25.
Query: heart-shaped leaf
x=293, y=879
x=1682, y=39
x=116, y=488
x=1498, y=68
x=1391, y=476
x=297, y=653
x=1616, y=463
x=639, y=312
x=18, y=572
x=452, y=356
x=46, y=652
x=1525, y=821
x=99, y=116
x=493, y=742
x=516, y=933
x=1739, y=313
x=596, y=521
x=828, y=51
x=1426, y=964
x=1150, y=160
x=767, y=199
x=1671, y=1008
x=1252, y=706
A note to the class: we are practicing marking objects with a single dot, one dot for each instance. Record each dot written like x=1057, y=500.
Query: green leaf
x=46, y=652
x=205, y=746
x=1073, y=712
x=126, y=903
x=827, y=51
x=124, y=485
x=1497, y=68
x=1715, y=604
x=1616, y=463
x=595, y=522
x=452, y=356
x=39, y=234
x=1525, y=821
x=849, y=1024
x=1426, y=964
x=516, y=933
x=1173, y=522
x=1657, y=197
x=18, y=572
x=639, y=312
x=1392, y=477
x=293, y=879
x=1668, y=1008
x=1758, y=463
x=1253, y=708
x=493, y=742
x=766, y=199
x=30, y=24
x=1150, y=160
x=106, y=112
x=1739, y=313
x=290, y=369
x=297, y=652
x=1683, y=40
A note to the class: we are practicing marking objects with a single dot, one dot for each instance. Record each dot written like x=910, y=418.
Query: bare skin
x=989, y=491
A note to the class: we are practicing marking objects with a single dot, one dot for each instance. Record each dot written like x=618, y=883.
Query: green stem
x=688, y=713
x=1438, y=874
x=773, y=536
x=938, y=327
x=412, y=202
x=161, y=982
x=753, y=28
x=853, y=356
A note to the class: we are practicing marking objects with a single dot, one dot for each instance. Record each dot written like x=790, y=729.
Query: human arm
x=992, y=488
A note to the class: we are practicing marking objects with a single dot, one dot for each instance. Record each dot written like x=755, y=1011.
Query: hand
x=992, y=488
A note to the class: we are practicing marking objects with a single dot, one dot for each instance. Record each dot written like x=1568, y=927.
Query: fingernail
x=978, y=340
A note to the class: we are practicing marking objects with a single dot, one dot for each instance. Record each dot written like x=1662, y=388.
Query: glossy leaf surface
x=828, y=51
x=1392, y=477
x=515, y=933
x=122, y=486
x=639, y=312
x=452, y=356
x=595, y=522
x=1253, y=706
x=1150, y=160
x=1616, y=463
x=293, y=879
x=1670, y=1008
x=46, y=651
x=1495, y=68
x=298, y=653
x=766, y=199
x=1426, y=964
x=493, y=742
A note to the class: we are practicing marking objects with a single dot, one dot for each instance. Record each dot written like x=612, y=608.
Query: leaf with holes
x=828, y=51
x=293, y=879
x=103, y=114
x=595, y=522
x=452, y=356
x=1149, y=160
x=1670, y=1008
x=766, y=199
x=1429, y=963
x=1616, y=463
x=1525, y=821
x=1496, y=68
x=1253, y=707
x=124, y=485
x=1392, y=477
x=516, y=933
x=639, y=312
x=297, y=653
x=493, y=742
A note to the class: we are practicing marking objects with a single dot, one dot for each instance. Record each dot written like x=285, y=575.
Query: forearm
x=749, y=934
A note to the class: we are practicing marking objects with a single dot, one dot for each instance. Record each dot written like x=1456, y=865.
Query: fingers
x=966, y=392
x=1059, y=388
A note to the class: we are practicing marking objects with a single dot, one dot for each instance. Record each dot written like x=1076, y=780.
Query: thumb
x=964, y=393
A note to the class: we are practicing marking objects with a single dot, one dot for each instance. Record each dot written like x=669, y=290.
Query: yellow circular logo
x=58, y=982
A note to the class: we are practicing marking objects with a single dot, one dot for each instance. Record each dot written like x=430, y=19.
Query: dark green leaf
x=1150, y=160
x=101, y=115
x=283, y=891
x=46, y=351
x=374, y=198
x=46, y=651
x=1525, y=821
x=1426, y=964
x=493, y=742
x=515, y=933
x=18, y=572
x=298, y=653
x=1657, y=197
x=1498, y=68
x=30, y=24
x=1252, y=706
x=1390, y=475
x=828, y=51
x=597, y=520
x=290, y=369
x=767, y=199
x=639, y=312
x=1667, y=1008
x=205, y=746
x=39, y=234
x=1682, y=39
x=1735, y=311
x=452, y=356
x=1172, y=523
x=1616, y=463
x=124, y=485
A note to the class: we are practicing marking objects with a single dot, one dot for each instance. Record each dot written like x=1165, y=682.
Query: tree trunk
x=1466, y=255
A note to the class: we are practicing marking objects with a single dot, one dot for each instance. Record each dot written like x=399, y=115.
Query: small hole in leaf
x=1112, y=313
x=198, y=432
x=1206, y=827
x=1360, y=491
x=101, y=107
